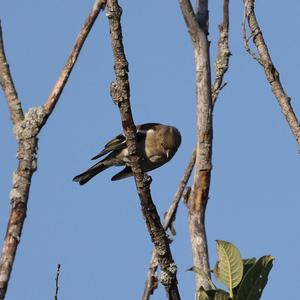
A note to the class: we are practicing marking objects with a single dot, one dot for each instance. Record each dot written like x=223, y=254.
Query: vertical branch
x=271, y=73
x=26, y=129
x=222, y=61
x=26, y=133
x=120, y=92
x=197, y=25
x=57, y=282
x=200, y=189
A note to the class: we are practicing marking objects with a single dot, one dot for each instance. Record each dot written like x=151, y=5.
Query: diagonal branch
x=64, y=76
x=223, y=53
x=120, y=92
x=271, y=73
x=26, y=129
x=7, y=84
x=151, y=281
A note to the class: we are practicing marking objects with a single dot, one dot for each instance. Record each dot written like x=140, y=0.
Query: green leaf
x=229, y=268
x=255, y=279
x=248, y=264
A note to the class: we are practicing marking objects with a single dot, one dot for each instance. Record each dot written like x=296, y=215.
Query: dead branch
x=26, y=129
x=151, y=281
x=62, y=80
x=120, y=92
x=197, y=25
x=8, y=87
x=271, y=73
x=223, y=55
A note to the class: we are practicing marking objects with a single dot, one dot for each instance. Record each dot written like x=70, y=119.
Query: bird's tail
x=90, y=173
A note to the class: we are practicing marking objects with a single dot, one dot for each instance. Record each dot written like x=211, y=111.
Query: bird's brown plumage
x=156, y=142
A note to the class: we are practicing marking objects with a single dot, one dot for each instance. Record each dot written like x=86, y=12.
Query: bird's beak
x=168, y=152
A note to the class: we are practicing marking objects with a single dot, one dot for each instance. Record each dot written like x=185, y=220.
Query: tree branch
x=223, y=53
x=64, y=76
x=120, y=92
x=7, y=84
x=151, y=281
x=198, y=29
x=26, y=129
x=271, y=73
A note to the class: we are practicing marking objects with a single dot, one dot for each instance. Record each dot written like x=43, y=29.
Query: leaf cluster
x=245, y=279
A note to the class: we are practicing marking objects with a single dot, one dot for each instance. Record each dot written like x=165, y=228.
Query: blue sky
x=96, y=232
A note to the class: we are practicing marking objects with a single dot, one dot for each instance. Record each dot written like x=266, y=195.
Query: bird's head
x=171, y=140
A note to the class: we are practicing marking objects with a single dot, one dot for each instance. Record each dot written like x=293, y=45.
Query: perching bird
x=156, y=142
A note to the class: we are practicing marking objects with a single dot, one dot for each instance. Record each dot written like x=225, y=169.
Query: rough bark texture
x=26, y=133
x=151, y=281
x=222, y=61
x=197, y=24
x=26, y=129
x=271, y=73
x=120, y=92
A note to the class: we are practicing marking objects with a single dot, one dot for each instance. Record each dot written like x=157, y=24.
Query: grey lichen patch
x=14, y=194
x=166, y=276
x=31, y=124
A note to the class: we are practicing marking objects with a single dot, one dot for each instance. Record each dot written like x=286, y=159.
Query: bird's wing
x=119, y=142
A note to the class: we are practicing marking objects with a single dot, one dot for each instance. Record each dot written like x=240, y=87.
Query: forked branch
x=26, y=129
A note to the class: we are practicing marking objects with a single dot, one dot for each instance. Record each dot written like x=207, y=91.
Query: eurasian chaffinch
x=156, y=142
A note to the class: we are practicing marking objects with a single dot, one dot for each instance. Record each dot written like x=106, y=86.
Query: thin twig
x=26, y=130
x=223, y=55
x=246, y=40
x=151, y=281
x=63, y=78
x=57, y=282
x=7, y=84
x=271, y=73
x=120, y=92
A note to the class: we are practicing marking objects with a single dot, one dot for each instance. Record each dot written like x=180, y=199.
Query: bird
x=156, y=142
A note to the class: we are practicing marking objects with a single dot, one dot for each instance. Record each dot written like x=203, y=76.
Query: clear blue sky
x=96, y=232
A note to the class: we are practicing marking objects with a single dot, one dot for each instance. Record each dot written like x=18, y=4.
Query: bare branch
x=171, y=213
x=246, y=41
x=198, y=30
x=26, y=129
x=26, y=133
x=151, y=281
x=271, y=73
x=223, y=53
x=64, y=76
x=7, y=84
x=121, y=95
x=57, y=282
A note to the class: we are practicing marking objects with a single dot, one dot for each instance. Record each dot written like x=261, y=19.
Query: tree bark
x=120, y=91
